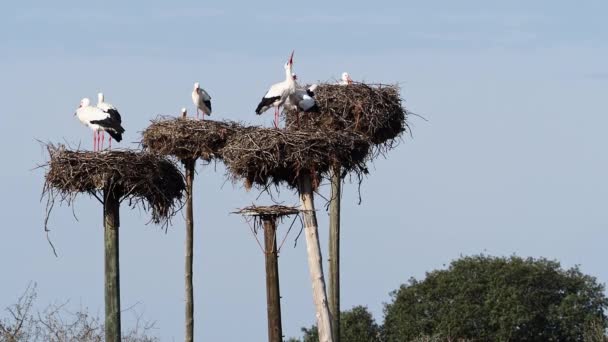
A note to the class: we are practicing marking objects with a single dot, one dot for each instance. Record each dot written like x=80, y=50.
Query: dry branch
x=143, y=178
x=188, y=138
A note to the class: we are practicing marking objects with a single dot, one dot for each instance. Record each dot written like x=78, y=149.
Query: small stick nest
x=144, y=178
x=263, y=155
x=187, y=138
x=373, y=110
x=268, y=211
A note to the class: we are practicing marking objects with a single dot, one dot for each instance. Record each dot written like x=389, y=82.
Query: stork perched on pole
x=99, y=121
x=111, y=111
x=278, y=93
x=201, y=100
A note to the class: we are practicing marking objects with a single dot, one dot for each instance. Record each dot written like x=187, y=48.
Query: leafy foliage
x=356, y=325
x=485, y=298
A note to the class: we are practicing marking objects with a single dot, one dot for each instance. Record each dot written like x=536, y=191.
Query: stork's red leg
x=276, y=117
x=197, y=113
x=94, y=141
x=109, y=141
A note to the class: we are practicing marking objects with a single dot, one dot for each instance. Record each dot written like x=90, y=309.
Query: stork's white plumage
x=345, y=80
x=184, y=113
x=278, y=93
x=110, y=110
x=201, y=100
x=98, y=120
x=302, y=98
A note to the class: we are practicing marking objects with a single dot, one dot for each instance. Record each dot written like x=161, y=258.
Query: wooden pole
x=189, y=165
x=315, y=266
x=334, y=252
x=112, y=273
x=273, y=296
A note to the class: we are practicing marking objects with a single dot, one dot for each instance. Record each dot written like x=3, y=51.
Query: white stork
x=201, y=100
x=278, y=93
x=98, y=120
x=302, y=98
x=110, y=110
x=345, y=80
x=184, y=113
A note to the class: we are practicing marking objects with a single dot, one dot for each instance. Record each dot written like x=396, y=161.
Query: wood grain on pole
x=334, y=251
x=315, y=266
x=189, y=166
x=273, y=296
x=112, y=271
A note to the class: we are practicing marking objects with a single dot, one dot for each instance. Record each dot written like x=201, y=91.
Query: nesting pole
x=112, y=177
x=111, y=206
x=315, y=265
x=299, y=158
x=334, y=251
x=188, y=140
x=273, y=296
x=376, y=112
x=189, y=165
x=267, y=216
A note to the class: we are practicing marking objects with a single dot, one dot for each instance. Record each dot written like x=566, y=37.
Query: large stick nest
x=268, y=211
x=187, y=138
x=373, y=110
x=263, y=155
x=144, y=178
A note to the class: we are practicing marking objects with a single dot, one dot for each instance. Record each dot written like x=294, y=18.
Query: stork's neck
x=100, y=98
x=288, y=73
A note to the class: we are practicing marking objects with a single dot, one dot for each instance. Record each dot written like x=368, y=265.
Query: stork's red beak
x=291, y=57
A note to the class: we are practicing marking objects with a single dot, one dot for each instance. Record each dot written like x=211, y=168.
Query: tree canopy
x=484, y=298
x=356, y=325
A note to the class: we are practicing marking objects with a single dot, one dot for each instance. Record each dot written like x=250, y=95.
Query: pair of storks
x=104, y=117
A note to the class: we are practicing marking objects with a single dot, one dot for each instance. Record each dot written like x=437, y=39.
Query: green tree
x=483, y=298
x=356, y=325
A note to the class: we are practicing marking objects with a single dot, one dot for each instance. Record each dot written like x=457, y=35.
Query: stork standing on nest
x=278, y=93
x=99, y=121
x=111, y=111
x=184, y=113
x=345, y=80
x=201, y=100
x=302, y=98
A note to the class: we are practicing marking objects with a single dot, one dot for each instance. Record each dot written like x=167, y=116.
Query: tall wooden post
x=189, y=165
x=315, y=266
x=334, y=251
x=112, y=273
x=273, y=296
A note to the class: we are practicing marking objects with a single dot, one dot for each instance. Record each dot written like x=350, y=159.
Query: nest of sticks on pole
x=268, y=211
x=374, y=110
x=146, y=179
x=187, y=138
x=265, y=156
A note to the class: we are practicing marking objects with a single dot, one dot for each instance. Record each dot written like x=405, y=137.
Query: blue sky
x=511, y=161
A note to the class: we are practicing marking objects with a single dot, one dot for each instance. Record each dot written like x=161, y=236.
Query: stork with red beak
x=99, y=121
x=278, y=93
x=109, y=109
x=201, y=100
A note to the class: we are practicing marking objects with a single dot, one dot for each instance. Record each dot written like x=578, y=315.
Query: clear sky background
x=512, y=160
